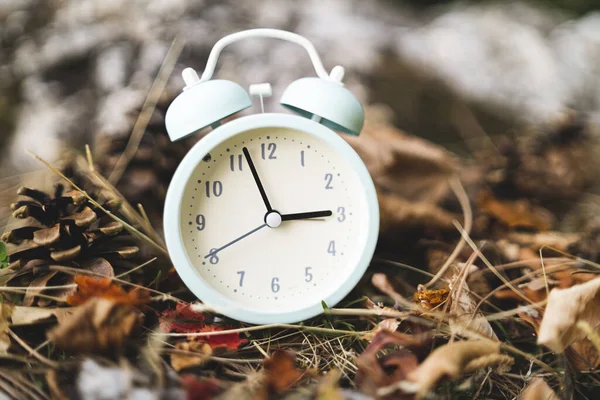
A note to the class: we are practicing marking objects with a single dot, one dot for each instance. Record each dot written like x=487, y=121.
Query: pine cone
x=148, y=174
x=64, y=229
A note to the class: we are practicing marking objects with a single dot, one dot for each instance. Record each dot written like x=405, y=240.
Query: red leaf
x=229, y=341
x=183, y=319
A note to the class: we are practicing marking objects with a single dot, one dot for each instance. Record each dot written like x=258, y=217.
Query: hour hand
x=306, y=215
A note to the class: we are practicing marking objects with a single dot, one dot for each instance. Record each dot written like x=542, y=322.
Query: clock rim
x=172, y=220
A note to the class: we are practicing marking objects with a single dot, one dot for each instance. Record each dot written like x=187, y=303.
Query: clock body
x=215, y=219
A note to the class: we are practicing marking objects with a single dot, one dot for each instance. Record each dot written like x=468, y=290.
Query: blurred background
x=76, y=72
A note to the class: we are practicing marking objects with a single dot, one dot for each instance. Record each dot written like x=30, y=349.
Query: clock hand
x=215, y=251
x=257, y=179
x=306, y=215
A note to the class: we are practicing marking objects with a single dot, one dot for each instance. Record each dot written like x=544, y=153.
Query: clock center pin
x=273, y=219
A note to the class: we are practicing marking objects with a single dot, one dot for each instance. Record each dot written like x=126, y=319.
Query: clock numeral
x=213, y=259
x=216, y=188
x=341, y=214
x=232, y=162
x=302, y=158
x=241, y=274
x=328, y=179
x=271, y=147
x=200, y=222
x=307, y=275
x=275, y=285
x=331, y=248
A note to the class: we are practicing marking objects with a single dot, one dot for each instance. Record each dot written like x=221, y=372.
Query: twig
x=143, y=119
x=463, y=199
x=269, y=326
x=32, y=352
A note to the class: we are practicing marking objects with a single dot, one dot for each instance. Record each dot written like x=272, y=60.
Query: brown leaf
x=98, y=326
x=281, y=372
x=6, y=311
x=375, y=372
x=195, y=355
x=583, y=355
x=399, y=214
x=538, y=389
x=449, y=360
x=407, y=166
x=465, y=319
x=564, y=308
x=516, y=213
x=389, y=324
x=30, y=315
x=410, y=175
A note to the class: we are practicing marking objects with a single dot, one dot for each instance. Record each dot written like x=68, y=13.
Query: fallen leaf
x=465, y=319
x=516, y=213
x=583, y=355
x=228, y=341
x=452, y=361
x=375, y=372
x=281, y=372
x=98, y=326
x=424, y=168
x=538, y=389
x=431, y=298
x=6, y=311
x=30, y=315
x=183, y=319
x=89, y=287
x=389, y=324
x=564, y=308
x=195, y=355
x=390, y=153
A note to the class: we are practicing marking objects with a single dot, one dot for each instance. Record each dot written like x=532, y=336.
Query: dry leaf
x=390, y=154
x=538, y=389
x=516, y=213
x=98, y=326
x=35, y=287
x=201, y=388
x=430, y=299
x=410, y=174
x=281, y=372
x=30, y=315
x=564, y=308
x=389, y=324
x=450, y=360
x=464, y=320
x=89, y=287
x=375, y=372
x=583, y=355
x=6, y=311
x=195, y=355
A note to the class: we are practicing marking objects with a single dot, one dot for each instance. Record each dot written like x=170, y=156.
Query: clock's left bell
x=203, y=104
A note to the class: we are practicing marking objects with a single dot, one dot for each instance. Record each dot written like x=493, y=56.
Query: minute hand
x=306, y=215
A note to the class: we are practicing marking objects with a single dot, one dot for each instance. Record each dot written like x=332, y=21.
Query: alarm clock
x=269, y=216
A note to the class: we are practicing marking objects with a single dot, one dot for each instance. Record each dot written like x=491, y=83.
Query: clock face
x=247, y=253
x=269, y=215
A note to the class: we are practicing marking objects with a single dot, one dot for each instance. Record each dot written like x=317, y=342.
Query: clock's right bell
x=326, y=101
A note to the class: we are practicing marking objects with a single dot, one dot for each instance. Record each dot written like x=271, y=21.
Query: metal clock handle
x=266, y=33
